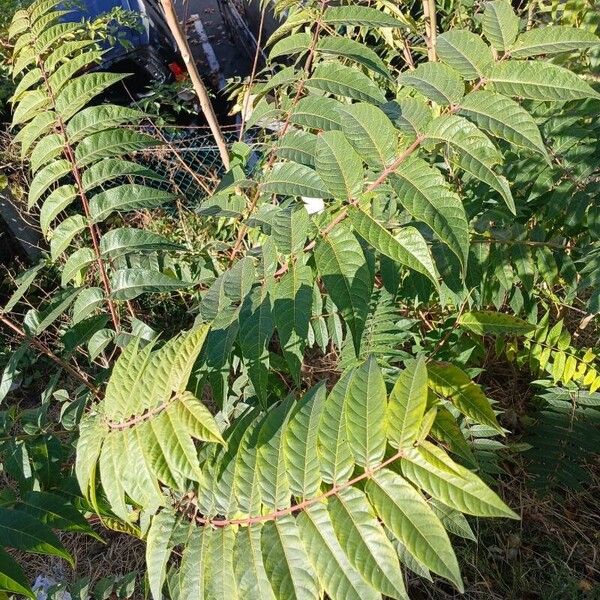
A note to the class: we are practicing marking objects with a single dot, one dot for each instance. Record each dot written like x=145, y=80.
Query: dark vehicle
x=149, y=52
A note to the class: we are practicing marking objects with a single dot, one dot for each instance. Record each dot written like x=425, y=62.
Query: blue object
x=150, y=47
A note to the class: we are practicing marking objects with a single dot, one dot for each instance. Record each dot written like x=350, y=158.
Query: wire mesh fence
x=188, y=159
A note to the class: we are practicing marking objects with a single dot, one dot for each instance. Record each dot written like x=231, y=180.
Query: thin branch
x=199, y=87
x=39, y=345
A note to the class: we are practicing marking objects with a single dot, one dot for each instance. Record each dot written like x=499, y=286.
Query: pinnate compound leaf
x=407, y=246
x=408, y=516
x=407, y=404
x=336, y=574
x=449, y=381
x=426, y=196
x=365, y=542
x=494, y=323
x=465, y=52
x=538, y=81
x=338, y=165
x=503, y=118
x=343, y=267
x=430, y=468
x=500, y=24
x=436, y=81
x=553, y=39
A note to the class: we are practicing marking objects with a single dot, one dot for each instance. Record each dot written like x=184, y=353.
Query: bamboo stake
x=430, y=28
x=199, y=87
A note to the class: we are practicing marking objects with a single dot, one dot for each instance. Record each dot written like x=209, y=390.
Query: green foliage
x=387, y=212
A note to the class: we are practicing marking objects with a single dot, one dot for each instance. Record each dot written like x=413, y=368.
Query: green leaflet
x=345, y=81
x=290, y=179
x=407, y=246
x=503, y=118
x=23, y=281
x=75, y=264
x=12, y=577
x=494, y=323
x=297, y=146
x=286, y=563
x=552, y=39
x=338, y=165
x=37, y=127
x=292, y=313
x=256, y=329
x=349, y=48
x=32, y=103
x=409, y=115
x=407, y=404
x=113, y=168
x=126, y=197
x=475, y=153
x=359, y=15
x=21, y=531
x=465, y=52
x=370, y=132
x=336, y=457
x=406, y=513
x=67, y=70
x=45, y=178
x=219, y=575
x=65, y=51
x=538, y=81
x=127, y=284
x=301, y=443
x=78, y=92
x=120, y=241
x=270, y=461
x=424, y=193
x=297, y=43
x=30, y=79
x=47, y=149
x=317, y=112
x=500, y=24
x=431, y=469
x=342, y=265
x=57, y=201
x=98, y=118
x=164, y=534
x=109, y=143
x=451, y=382
x=437, y=81
x=250, y=572
x=365, y=542
x=336, y=574
x=365, y=414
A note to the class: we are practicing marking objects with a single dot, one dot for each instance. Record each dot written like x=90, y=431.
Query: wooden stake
x=199, y=87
